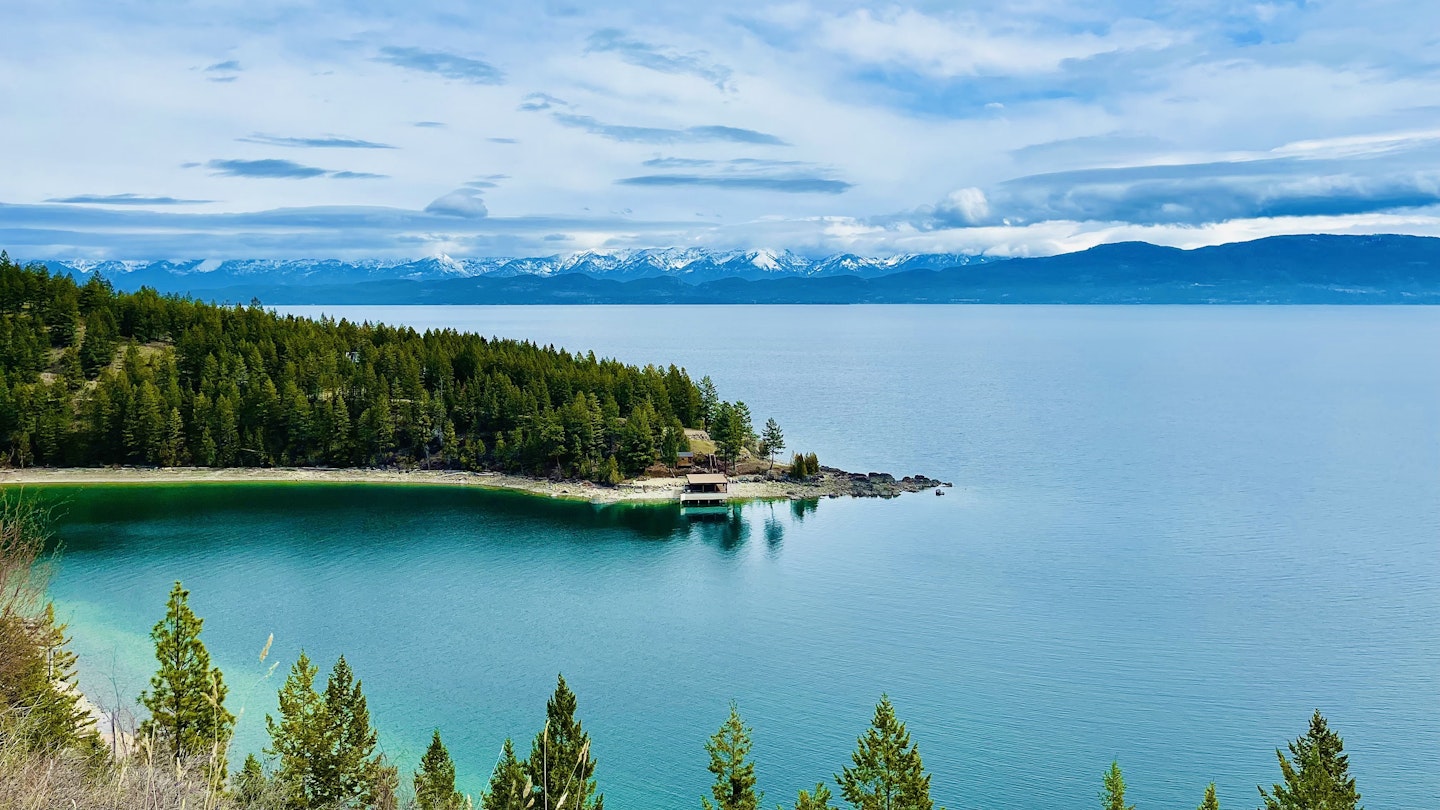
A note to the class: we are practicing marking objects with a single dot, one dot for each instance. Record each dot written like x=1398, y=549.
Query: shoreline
x=830, y=483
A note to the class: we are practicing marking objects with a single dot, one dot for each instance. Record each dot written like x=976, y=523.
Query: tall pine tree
x=888, y=773
x=1210, y=802
x=560, y=765
x=729, y=750
x=510, y=788
x=326, y=744
x=1112, y=795
x=186, y=700
x=435, y=780
x=1318, y=777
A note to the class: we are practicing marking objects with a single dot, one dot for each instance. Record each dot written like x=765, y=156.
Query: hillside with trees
x=92, y=376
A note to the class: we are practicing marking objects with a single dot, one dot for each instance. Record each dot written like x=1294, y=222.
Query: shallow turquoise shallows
x=1174, y=533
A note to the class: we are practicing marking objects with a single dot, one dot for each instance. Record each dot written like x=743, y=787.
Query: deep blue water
x=1174, y=532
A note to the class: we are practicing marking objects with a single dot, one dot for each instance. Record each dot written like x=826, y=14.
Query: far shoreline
x=830, y=483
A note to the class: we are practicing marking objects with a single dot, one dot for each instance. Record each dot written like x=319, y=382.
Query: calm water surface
x=1174, y=532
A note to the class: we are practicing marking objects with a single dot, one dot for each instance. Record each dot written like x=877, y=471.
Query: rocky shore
x=829, y=483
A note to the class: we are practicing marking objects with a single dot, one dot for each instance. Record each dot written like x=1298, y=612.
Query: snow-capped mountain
x=693, y=265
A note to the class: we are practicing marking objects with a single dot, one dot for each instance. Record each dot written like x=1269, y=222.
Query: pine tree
x=729, y=750
x=1112, y=797
x=186, y=700
x=299, y=738
x=510, y=788
x=1210, y=802
x=355, y=769
x=819, y=800
x=709, y=400
x=560, y=765
x=326, y=744
x=435, y=780
x=1318, y=778
x=888, y=773
x=772, y=439
x=249, y=784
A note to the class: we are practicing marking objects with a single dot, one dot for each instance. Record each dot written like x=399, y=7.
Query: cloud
x=283, y=169
x=793, y=185
x=124, y=199
x=327, y=142
x=223, y=72
x=502, y=140
x=462, y=202
x=541, y=101
x=440, y=63
x=429, y=124
x=632, y=134
x=664, y=60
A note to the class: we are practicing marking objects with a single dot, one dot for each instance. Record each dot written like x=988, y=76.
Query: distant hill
x=1276, y=270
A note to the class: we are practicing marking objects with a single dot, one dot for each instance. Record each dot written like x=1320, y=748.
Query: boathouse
x=703, y=489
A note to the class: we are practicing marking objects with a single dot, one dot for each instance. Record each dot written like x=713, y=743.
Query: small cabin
x=685, y=458
x=706, y=488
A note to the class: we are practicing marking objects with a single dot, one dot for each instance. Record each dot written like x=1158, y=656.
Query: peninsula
x=100, y=385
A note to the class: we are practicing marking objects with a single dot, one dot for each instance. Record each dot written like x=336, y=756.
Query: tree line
x=323, y=751
x=92, y=376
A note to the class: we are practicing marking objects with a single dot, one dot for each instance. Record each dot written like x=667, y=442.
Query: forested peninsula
x=93, y=377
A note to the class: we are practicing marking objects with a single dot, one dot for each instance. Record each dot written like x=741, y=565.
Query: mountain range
x=1275, y=270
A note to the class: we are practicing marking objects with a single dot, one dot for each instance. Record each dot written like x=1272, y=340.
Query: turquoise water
x=1174, y=532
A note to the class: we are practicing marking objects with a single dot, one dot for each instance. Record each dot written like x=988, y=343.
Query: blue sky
x=1029, y=127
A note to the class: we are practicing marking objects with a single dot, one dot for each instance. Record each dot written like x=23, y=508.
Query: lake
x=1174, y=532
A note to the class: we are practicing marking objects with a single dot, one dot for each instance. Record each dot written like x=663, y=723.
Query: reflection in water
x=380, y=513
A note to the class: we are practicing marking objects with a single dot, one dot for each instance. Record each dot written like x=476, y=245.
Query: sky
x=370, y=128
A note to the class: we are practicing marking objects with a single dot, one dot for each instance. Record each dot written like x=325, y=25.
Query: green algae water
x=1174, y=533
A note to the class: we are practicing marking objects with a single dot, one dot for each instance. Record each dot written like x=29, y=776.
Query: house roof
x=685, y=454
x=707, y=478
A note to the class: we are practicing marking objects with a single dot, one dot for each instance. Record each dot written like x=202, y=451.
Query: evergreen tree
x=299, y=738
x=888, y=773
x=1210, y=802
x=729, y=750
x=1318, y=777
x=356, y=770
x=510, y=788
x=560, y=765
x=818, y=800
x=1112, y=797
x=709, y=400
x=772, y=440
x=435, y=780
x=249, y=785
x=186, y=699
x=326, y=744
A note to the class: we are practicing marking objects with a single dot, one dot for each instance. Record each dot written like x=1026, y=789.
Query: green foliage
x=1112, y=796
x=186, y=700
x=1210, y=802
x=510, y=788
x=182, y=382
x=803, y=466
x=560, y=766
x=326, y=744
x=435, y=780
x=772, y=440
x=731, y=430
x=249, y=785
x=1316, y=775
x=729, y=750
x=818, y=800
x=887, y=773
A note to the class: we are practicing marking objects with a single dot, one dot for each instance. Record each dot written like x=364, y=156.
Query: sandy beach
x=829, y=483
